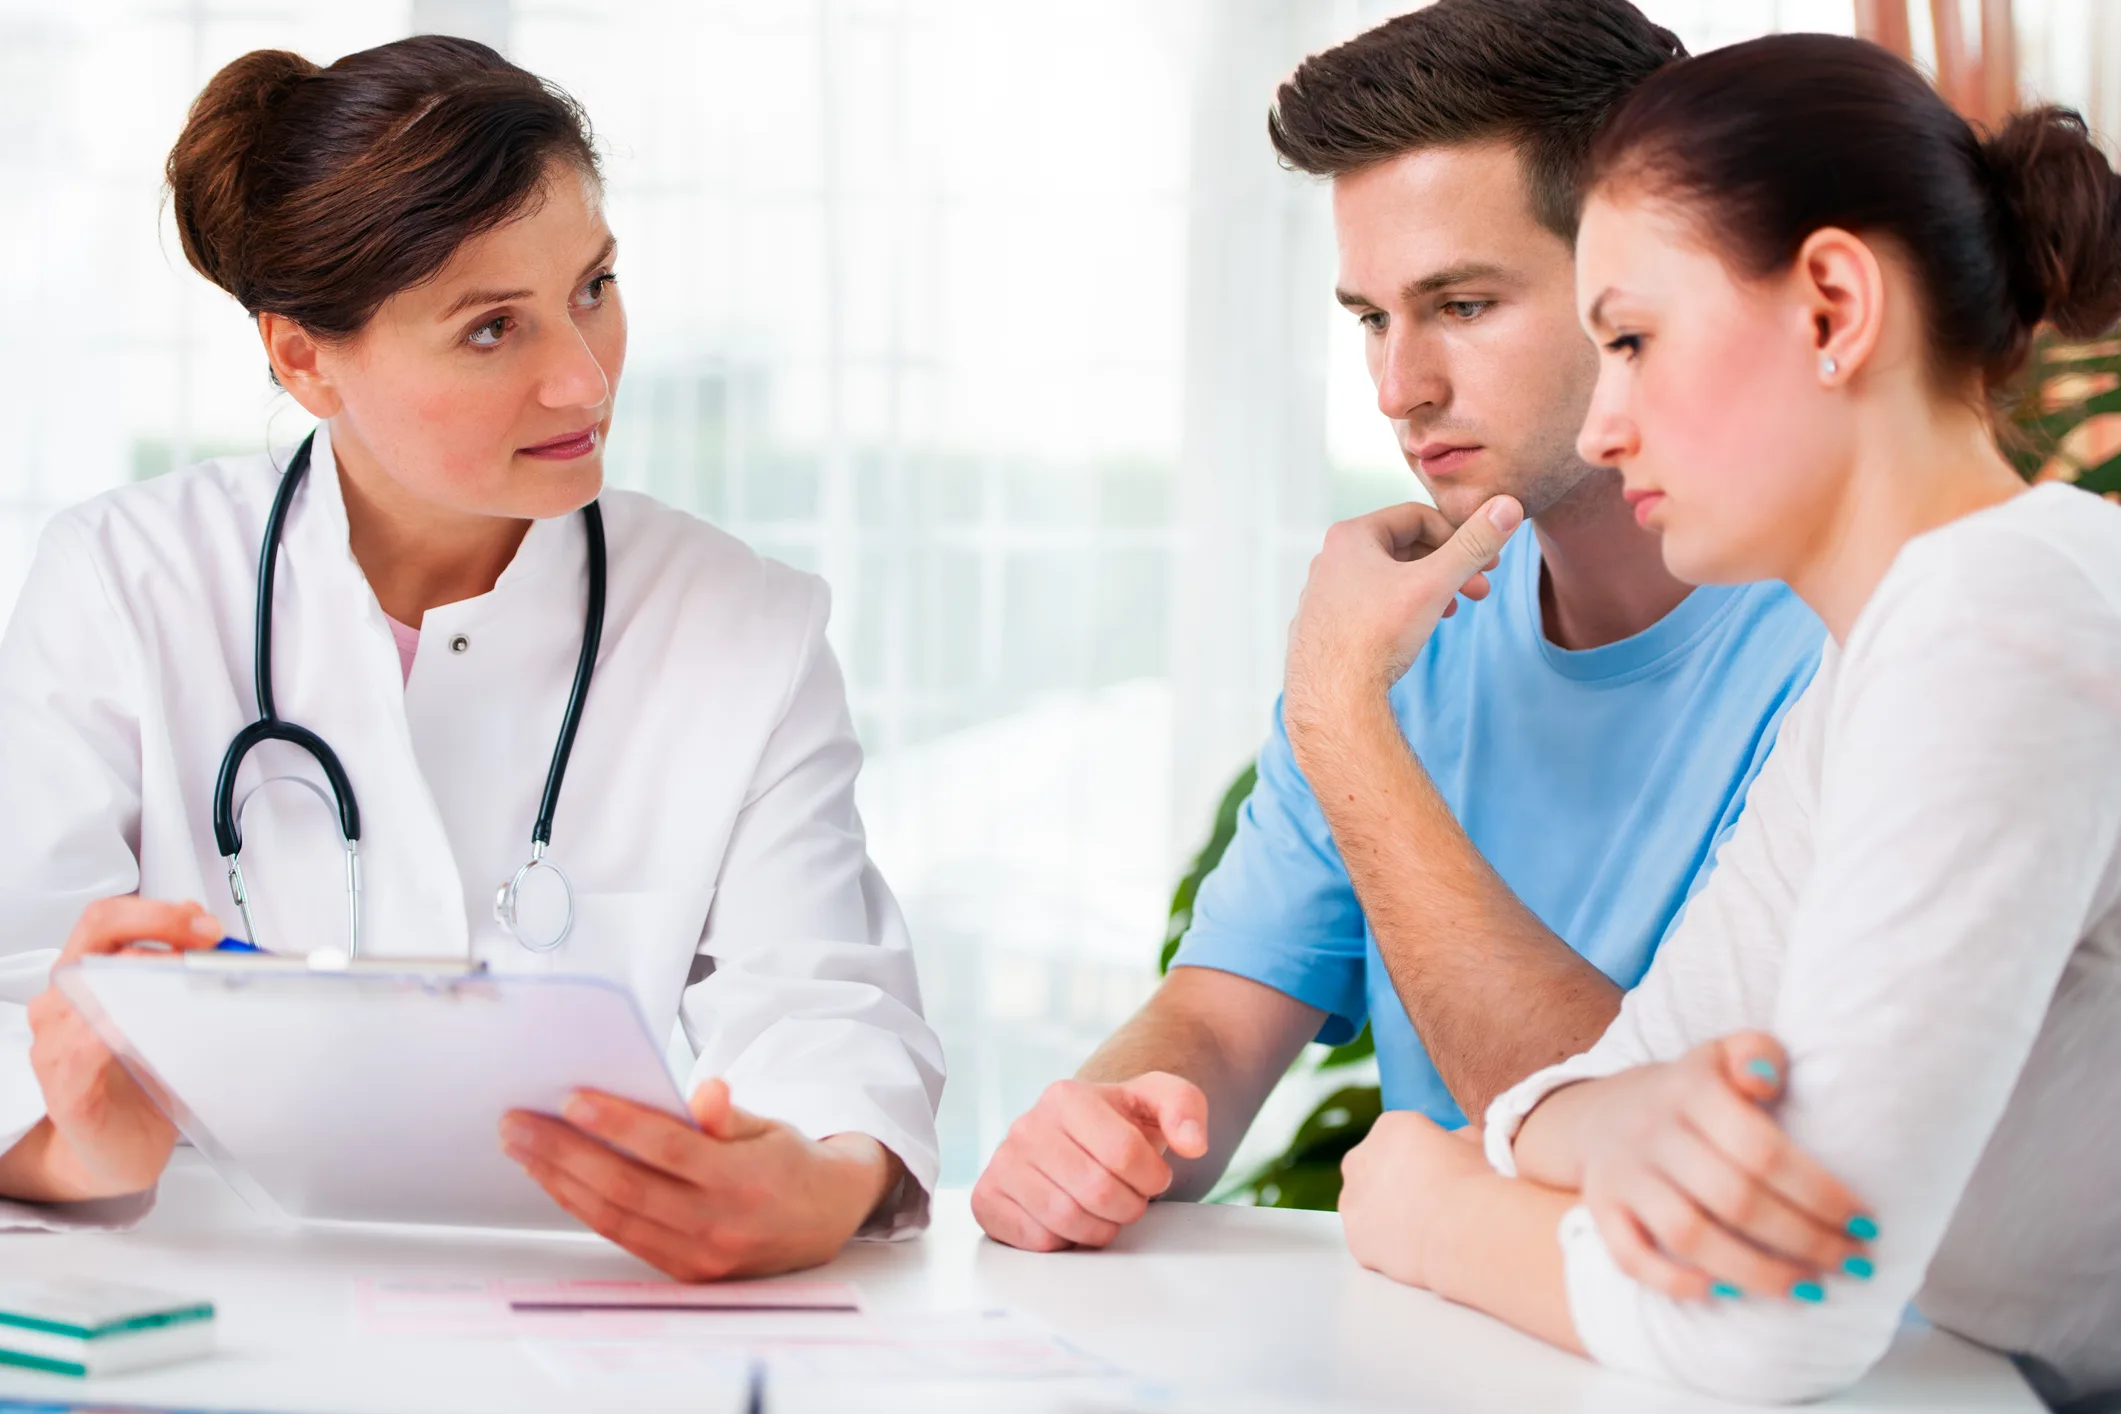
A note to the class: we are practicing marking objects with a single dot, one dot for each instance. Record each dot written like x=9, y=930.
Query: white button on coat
x=707, y=821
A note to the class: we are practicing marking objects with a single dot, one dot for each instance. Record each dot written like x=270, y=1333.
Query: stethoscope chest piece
x=536, y=907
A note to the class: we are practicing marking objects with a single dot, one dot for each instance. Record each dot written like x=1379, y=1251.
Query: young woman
x=1875, y=1062
x=417, y=232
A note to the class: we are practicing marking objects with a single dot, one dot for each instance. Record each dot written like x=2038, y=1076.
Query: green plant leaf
x=1307, y=1173
x=2064, y=420
x=2105, y=478
x=1361, y=1048
x=2034, y=433
x=1211, y=853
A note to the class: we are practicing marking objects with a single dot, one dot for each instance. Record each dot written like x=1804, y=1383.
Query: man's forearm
x=1229, y=1035
x=1491, y=990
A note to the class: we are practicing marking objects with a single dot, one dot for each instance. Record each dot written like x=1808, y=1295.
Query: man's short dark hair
x=1541, y=75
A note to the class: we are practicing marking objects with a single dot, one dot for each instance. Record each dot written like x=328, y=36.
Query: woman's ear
x=294, y=355
x=1842, y=286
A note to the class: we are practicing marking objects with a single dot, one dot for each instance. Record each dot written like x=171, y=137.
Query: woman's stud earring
x=1827, y=367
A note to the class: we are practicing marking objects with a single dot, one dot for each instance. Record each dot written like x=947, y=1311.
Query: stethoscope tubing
x=269, y=726
x=584, y=669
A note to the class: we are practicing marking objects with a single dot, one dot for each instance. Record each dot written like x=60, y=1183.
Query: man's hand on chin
x=1375, y=593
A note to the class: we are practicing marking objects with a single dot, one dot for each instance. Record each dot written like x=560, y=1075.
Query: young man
x=1471, y=828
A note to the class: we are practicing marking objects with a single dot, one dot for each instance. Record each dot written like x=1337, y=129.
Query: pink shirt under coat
x=408, y=641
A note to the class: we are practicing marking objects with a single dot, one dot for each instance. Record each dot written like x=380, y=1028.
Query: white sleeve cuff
x=896, y=1119
x=902, y=1215
x=95, y=1215
x=1506, y=1113
x=1604, y=1302
x=904, y=1211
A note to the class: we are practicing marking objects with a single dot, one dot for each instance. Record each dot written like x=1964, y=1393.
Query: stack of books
x=97, y=1328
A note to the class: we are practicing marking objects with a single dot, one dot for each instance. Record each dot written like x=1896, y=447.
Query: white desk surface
x=1206, y=1308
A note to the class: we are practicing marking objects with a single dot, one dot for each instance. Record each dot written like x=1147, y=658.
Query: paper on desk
x=585, y=1309
x=945, y=1345
x=721, y=1378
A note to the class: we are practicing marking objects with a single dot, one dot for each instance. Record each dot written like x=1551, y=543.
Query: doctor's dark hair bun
x=1765, y=142
x=318, y=193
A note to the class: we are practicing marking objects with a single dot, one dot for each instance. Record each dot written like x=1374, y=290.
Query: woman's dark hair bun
x=319, y=193
x=2061, y=206
x=211, y=169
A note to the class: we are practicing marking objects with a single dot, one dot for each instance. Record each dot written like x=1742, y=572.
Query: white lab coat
x=707, y=821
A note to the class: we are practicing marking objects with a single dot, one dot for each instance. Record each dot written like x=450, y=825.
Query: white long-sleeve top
x=1921, y=903
x=707, y=821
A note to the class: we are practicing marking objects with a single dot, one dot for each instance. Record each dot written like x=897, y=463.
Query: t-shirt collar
x=1636, y=654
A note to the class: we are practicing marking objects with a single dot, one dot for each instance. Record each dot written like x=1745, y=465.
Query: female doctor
x=417, y=231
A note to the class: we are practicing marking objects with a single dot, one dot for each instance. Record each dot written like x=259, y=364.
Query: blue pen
x=236, y=945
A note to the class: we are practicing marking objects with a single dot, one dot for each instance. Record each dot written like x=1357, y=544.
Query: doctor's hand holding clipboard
x=102, y=1136
x=420, y=686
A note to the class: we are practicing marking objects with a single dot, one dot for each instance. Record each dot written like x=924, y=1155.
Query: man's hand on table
x=1375, y=593
x=1087, y=1159
x=740, y=1196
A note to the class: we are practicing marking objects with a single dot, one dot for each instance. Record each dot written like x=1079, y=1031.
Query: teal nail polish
x=1861, y=1228
x=1810, y=1292
x=1765, y=1069
x=1858, y=1267
x=1725, y=1290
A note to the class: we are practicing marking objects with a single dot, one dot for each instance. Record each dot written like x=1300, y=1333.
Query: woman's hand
x=1399, y=1188
x=102, y=1136
x=740, y=1196
x=1695, y=1188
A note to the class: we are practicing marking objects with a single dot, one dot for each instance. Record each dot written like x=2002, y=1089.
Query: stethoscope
x=269, y=727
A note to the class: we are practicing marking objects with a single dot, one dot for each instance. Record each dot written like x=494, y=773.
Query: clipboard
x=369, y=1092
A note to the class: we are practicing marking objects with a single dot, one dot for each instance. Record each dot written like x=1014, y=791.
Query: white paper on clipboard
x=371, y=1094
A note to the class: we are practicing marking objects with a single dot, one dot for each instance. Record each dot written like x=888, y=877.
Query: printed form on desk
x=615, y=1309
x=658, y=1335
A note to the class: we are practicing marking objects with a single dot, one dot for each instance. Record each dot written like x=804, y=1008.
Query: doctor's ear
x=294, y=354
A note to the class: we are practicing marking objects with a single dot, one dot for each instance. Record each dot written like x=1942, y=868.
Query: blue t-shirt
x=1599, y=784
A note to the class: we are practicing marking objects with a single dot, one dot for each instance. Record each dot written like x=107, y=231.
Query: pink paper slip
x=582, y=1309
